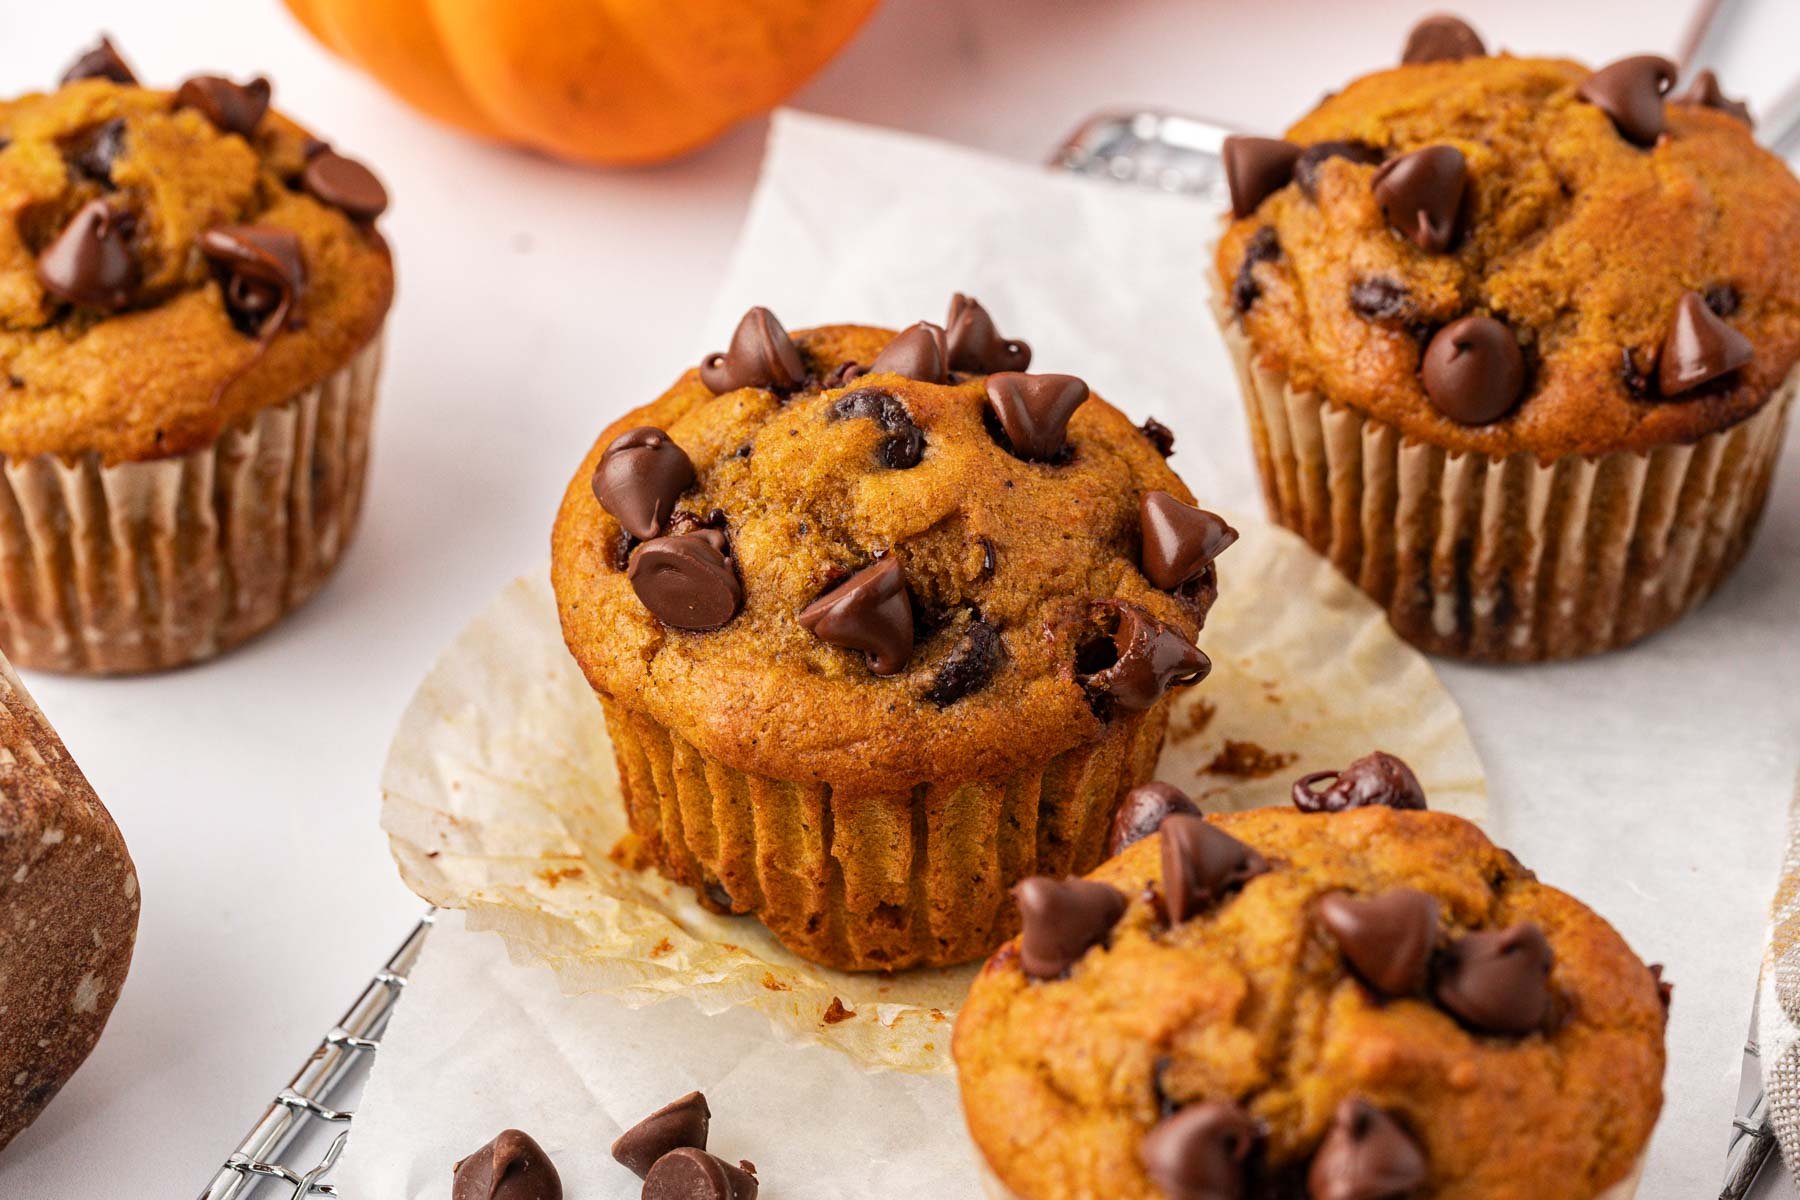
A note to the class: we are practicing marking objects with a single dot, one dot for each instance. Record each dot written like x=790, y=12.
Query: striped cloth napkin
x=1779, y=1013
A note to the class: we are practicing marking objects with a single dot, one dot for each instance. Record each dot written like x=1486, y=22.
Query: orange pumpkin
x=606, y=81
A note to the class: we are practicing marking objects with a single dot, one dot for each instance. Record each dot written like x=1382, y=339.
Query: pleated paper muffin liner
x=1509, y=559
x=868, y=880
x=142, y=566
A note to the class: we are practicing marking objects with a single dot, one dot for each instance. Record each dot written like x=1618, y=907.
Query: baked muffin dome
x=1341, y=990
x=1580, y=236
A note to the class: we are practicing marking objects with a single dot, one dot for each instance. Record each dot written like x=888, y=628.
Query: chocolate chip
x=974, y=342
x=1179, y=540
x=687, y=580
x=344, y=183
x=1202, y=1152
x=690, y=1174
x=1062, y=920
x=988, y=557
x=761, y=356
x=511, y=1167
x=682, y=1122
x=1306, y=167
x=1630, y=92
x=1634, y=376
x=970, y=666
x=1381, y=300
x=1442, y=38
x=1665, y=991
x=102, y=61
x=639, y=478
x=1704, y=92
x=1033, y=411
x=1474, y=371
x=1142, y=659
x=262, y=272
x=1366, y=1155
x=1159, y=436
x=1201, y=865
x=1387, y=939
x=1497, y=982
x=91, y=261
x=1256, y=167
x=1263, y=246
x=1698, y=348
x=870, y=612
x=918, y=352
x=231, y=107
x=1422, y=195
x=1374, y=779
x=1143, y=811
x=905, y=443
x=92, y=153
x=843, y=374
x=1722, y=298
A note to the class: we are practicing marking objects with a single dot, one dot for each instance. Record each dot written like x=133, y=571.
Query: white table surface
x=536, y=301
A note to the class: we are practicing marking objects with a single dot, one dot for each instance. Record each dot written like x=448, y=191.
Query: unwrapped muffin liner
x=140, y=566
x=1508, y=559
x=501, y=797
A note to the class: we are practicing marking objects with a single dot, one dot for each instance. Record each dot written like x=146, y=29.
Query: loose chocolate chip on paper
x=511, y=1167
x=1264, y=246
x=918, y=352
x=231, y=107
x=1201, y=865
x=1699, y=348
x=639, y=478
x=1315, y=156
x=91, y=261
x=1201, y=1152
x=263, y=273
x=690, y=1174
x=687, y=580
x=1474, y=371
x=974, y=341
x=1377, y=778
x=761, y=355
x=1497, y=981
x=679, y=1123
x=970, y=666
x=1143, y=811
x=1061, y=920
x=1033, y=411
x=1704, y=92
x=1179, y=540
x=344, y=183
x=1422, y=196
x=1256, y=167
x=870, y=612
x=1442, y=38
x=1366, y=1155
x=1387, y=939
x=1630, y=92
x=1142, y=659
x=102, y=61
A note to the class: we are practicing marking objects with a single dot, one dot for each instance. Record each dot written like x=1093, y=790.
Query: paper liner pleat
x=1509, y=559
x=141, y=566
x=870, y=880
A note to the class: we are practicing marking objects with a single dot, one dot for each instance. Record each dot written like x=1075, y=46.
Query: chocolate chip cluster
x=680, y=565
x=1474, y=369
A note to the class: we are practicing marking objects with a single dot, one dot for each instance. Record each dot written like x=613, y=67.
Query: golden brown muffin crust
x=1250, y=1001
x=1579, y=240
x=170, y=373
x=806, y=499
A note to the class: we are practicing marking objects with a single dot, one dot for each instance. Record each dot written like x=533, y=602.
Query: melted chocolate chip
x=1442, y=38
x=1263, y=246
x=1387, y=939
x=1201, y=1152
x=1374, y=779
x=1201, y=865
x=345, y=184
x=231, y=107
x=1381, y=300
x=1704, y=92
x=639, y=478
x=1179, y=540
x=1142, y=659
x=918, y=352
x=682, y=1122
x=687, y=580
x=262, y=273
x=970, y=666
x=1632, y=374
x=974, y=342
x=1497, y=982
x=1665, y=991
x=1306, y=167
x=91, y=261
x=1143, y=811
x=1630, y=92
x=1159, y=436
x=91, y=154
x=1422, y=196
x=689, y=1174
x=102, y=61
x=871, y=612
x=1722, y=298
x=1062, y=920
x=511, y=1167
x=761, y=355
x=1366, y=1155
x=1033, y=411
x=1474, y=371
x=1256, y=167
x=905, y=443
x=1699, y=348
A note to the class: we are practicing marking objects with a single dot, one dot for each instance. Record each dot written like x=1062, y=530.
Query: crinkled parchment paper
x=502, y=756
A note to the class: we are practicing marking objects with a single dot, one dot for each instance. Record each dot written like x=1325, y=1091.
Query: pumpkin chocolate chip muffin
x=1517, y=339
x=1353, y=999
x=191, y=300
x=880, y=624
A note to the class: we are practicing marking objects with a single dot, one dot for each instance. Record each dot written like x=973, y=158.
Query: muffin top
x=872, y=559
x=1502, y=254
x=1368, y=1002
x=171, y=263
